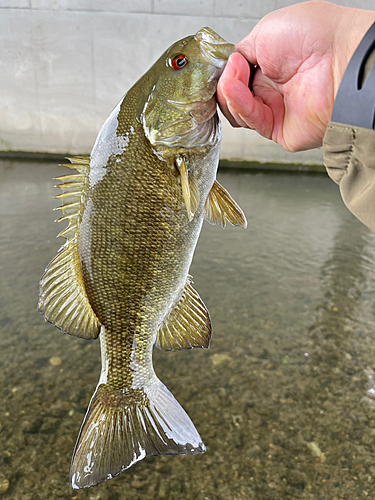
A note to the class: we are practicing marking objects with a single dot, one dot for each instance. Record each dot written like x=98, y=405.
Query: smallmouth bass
x=135, y=210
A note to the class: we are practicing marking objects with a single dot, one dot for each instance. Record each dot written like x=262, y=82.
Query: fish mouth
x=214, y=48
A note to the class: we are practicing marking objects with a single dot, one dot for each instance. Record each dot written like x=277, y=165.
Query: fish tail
x=121, y=428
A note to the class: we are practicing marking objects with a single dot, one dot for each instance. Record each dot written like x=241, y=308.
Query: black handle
x=355, y=104
x=252, y=73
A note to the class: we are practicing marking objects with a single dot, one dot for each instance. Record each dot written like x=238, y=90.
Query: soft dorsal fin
x=187, y=325
x=220, y=206
x=62, y=297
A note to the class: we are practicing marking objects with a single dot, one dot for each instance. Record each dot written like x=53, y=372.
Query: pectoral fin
x=189, y=187
x=62, y=297
x=188, y=324
x=220, y=206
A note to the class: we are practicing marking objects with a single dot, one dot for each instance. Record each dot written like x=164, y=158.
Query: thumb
x=237, y=68
x=236, y=71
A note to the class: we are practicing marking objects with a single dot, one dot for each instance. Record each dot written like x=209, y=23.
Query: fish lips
x=214, y=48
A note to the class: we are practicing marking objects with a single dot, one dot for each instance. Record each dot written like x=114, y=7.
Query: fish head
x=180, y=110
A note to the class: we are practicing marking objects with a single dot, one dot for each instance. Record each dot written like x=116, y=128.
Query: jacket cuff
x=349, y=157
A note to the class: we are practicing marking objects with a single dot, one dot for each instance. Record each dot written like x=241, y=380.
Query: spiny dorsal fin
x=62, y=297
x=73, y=189
x=79, y=163
x=187, y=325
x=220, y=206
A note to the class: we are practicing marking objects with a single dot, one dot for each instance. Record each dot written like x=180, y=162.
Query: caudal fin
x=119, y=430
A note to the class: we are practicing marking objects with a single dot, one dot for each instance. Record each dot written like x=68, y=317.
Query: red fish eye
x=179, y=61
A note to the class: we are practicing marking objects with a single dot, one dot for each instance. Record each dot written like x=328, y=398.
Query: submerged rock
x=4, y=485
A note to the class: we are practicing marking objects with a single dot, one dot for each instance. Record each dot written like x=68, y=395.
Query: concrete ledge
x=30, y=156
x=280, y=167
x=252, y=165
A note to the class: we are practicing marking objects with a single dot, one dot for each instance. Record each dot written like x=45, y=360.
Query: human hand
x=301, y=53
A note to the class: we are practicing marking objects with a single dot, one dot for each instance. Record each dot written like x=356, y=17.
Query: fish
x=135, y=209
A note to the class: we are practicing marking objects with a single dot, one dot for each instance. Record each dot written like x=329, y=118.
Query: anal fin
x=220, y=206
x=187, y=325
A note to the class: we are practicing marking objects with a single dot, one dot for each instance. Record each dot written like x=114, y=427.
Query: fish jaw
x=214, y=48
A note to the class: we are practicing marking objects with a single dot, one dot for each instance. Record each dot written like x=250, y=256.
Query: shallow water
x=284, y=399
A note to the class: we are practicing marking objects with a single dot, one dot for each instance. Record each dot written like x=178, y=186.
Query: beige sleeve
x=349, y=156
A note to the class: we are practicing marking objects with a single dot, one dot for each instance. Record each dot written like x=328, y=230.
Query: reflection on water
x=283, y=399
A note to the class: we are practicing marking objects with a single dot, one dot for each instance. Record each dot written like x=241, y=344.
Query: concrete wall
x=64, y=64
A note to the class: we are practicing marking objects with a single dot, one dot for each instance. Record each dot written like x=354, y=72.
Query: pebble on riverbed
x=316, y=451
x=218, y=358
x=55, y=361
x=4, y=485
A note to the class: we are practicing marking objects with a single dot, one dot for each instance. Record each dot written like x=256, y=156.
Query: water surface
x=284, y=399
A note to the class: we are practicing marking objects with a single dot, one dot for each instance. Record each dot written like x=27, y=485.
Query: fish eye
x=179, y=61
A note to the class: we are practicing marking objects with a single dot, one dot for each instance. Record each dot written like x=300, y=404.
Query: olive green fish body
x=135, y=211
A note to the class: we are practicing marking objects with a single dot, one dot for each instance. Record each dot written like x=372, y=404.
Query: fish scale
x=135, y=210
